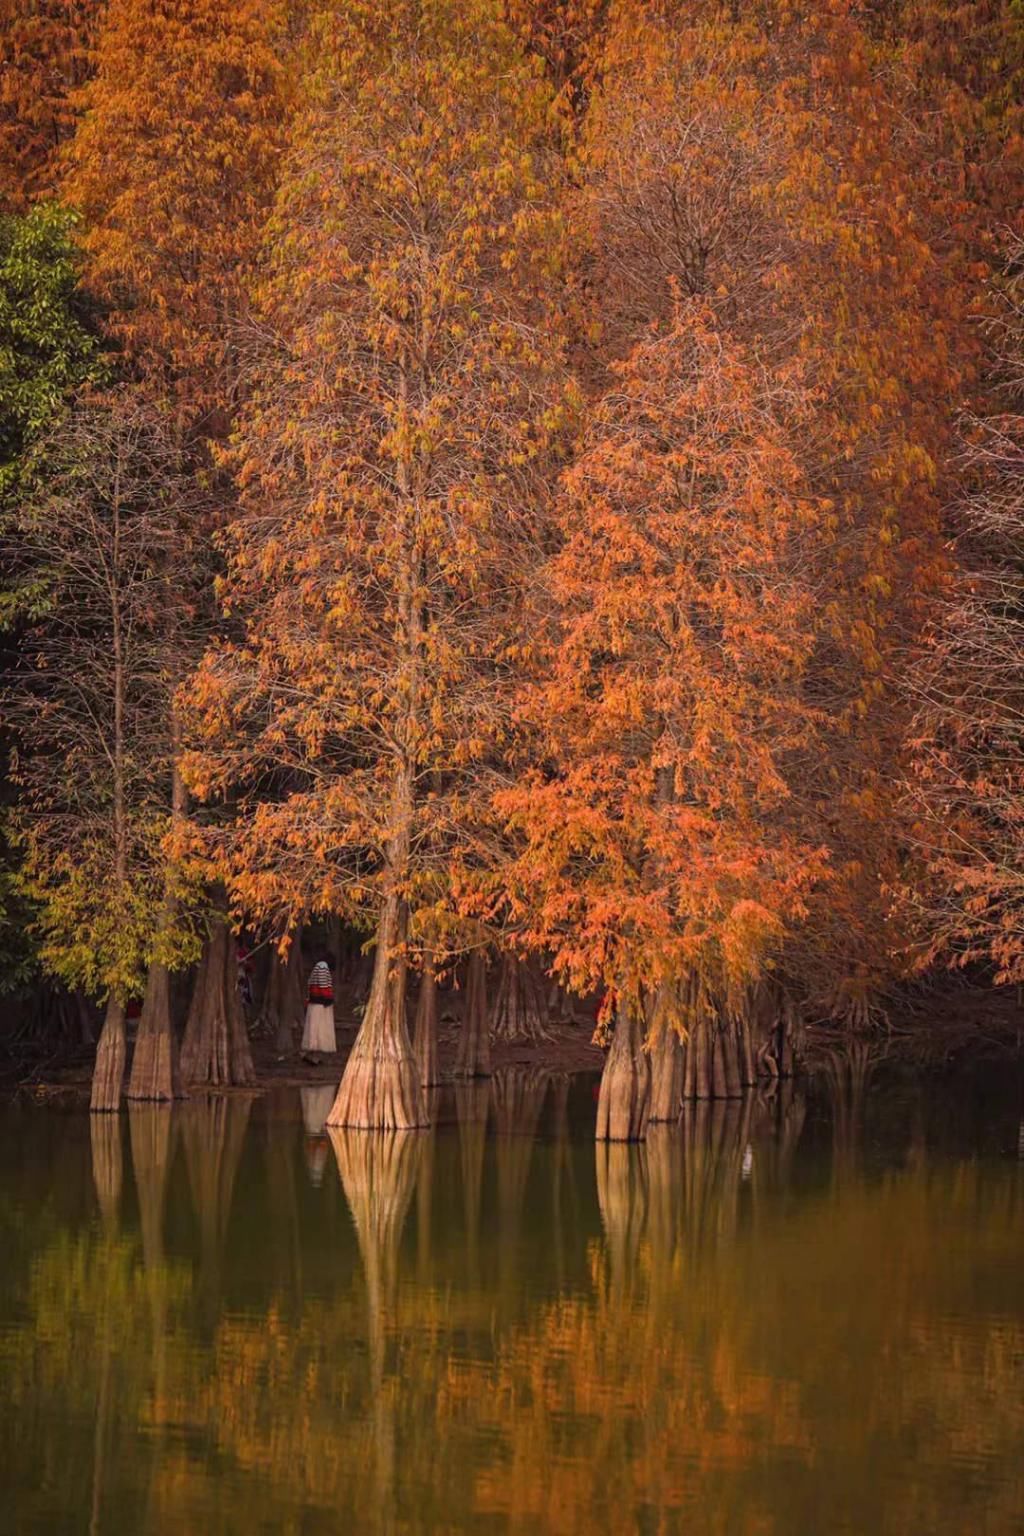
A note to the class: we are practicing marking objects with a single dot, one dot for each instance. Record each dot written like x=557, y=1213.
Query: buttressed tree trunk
x=215, y=1051
x=667, y=1058
x=474, y=1053
x=380, y=1088
x=108, y=1073
x=425, y=1032
x=520, y=1010
x=625, y=1097
x=155, y=1073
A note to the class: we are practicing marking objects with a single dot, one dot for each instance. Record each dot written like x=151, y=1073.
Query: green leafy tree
x=47, y=348
x=46, y=344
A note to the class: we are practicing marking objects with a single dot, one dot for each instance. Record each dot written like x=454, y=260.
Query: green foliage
x=47, y=349
x=91, y=934
x=18, y=958
x=46, y=346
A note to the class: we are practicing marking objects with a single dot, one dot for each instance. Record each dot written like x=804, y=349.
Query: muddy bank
x=933, y=1030
x=569, y=1050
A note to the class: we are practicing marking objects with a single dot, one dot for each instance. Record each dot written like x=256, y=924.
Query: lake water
x=791, y=1317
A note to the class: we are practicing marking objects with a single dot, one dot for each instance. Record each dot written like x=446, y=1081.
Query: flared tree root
x=155, y=1075
x=108, y=1073
x=665, y=1048
x=215, y=1051
x=520, y=1007
x=625, y=1096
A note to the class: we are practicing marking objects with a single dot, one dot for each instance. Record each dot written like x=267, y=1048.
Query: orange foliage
x=43, y=58
x=173, y=166
x=389, y=462
x=965, y=890
x=657, y=839
x=759, y=166
x=359, y=240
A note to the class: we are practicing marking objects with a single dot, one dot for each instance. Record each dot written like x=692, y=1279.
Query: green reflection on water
x=766, y=1320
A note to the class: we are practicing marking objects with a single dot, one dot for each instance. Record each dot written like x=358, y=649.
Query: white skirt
x=318, y=1030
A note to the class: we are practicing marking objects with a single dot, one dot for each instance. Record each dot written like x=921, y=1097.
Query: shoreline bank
x=934, y=1032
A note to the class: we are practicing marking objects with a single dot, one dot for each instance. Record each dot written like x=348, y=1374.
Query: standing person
x=318, y=1030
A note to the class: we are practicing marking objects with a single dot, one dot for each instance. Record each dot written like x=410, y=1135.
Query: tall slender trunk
x=666, y=1053
x=474, y=1053
x=731, y=1053
x=705, y=1045
x=155, y=1073
x=380, y=1088
x=108, y=1072
x=282, y=1000
x=425, y=1033
x=624, y=1102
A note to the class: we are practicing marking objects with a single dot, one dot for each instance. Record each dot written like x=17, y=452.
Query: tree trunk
x=666, y=1055
x=701, y=1047
x=731, y=1052
x=336, y=942
x=718, y=1088
x=625, y=1096
x=519, y=1008
x=154, y=1072
x=474, y=1053
x=748, y=1069
x=86, y=1021
x=559, y=1006
x=380, y=1088
x=215, y=1051
x=425, y=1032
x=282, y=1000
x=108, y=1073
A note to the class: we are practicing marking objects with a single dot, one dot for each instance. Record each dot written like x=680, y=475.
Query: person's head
x=324, y=959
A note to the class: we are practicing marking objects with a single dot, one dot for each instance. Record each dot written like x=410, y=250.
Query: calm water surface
x=797, y=1316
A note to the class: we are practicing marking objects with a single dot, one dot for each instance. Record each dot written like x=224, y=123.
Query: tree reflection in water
x=378, y=1173
x=727, y=1338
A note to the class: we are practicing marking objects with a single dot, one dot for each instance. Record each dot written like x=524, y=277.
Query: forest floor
x=931, y=1030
